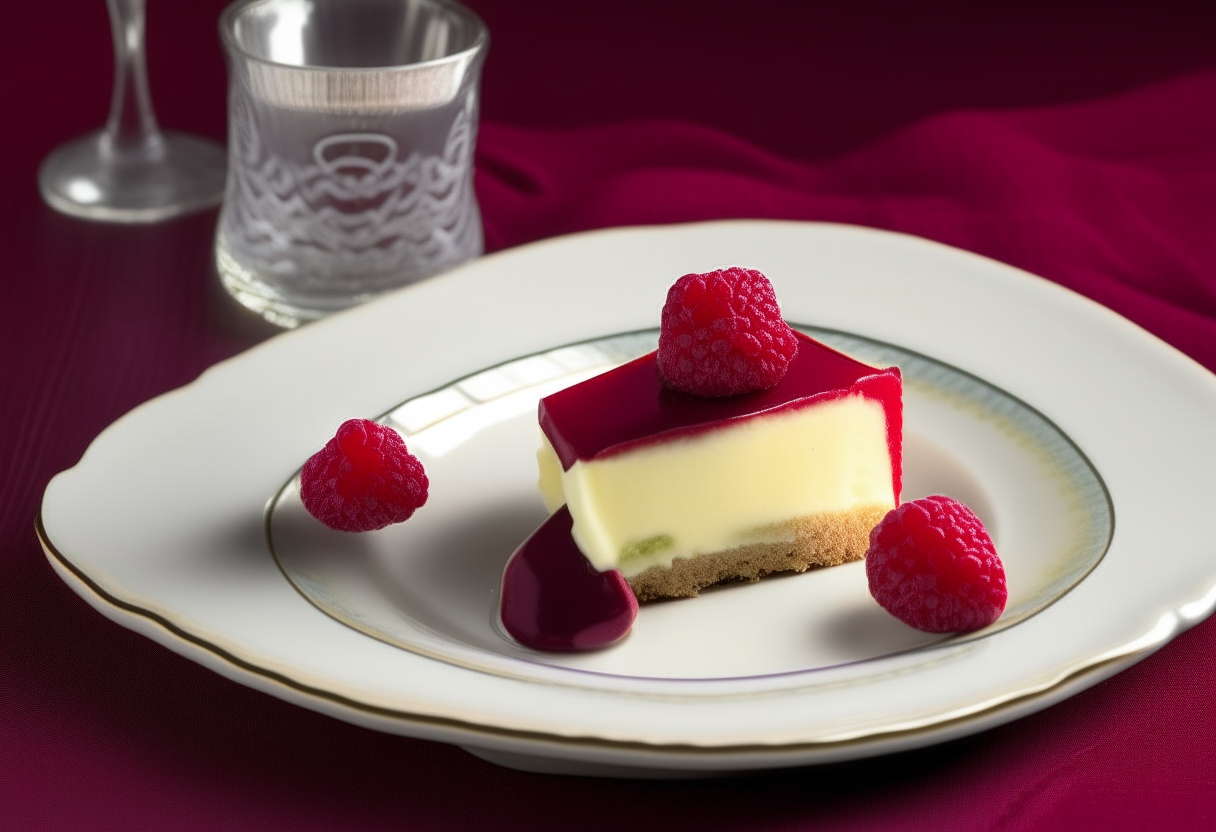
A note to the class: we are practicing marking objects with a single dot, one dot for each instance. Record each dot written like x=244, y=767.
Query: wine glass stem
x=131, y=127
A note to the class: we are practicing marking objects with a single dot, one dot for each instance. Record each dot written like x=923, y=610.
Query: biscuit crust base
x=825, y=539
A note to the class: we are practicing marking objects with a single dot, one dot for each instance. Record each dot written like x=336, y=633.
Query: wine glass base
x=85, y=179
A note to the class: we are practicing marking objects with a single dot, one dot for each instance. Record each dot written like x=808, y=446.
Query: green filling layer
x=645, y=548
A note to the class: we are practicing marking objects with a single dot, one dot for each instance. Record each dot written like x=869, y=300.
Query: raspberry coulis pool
x=554, y=599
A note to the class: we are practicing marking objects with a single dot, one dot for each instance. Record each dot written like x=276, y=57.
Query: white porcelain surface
x=163, y=524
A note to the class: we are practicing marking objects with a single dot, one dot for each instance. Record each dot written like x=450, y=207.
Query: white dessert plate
x=1082, y=441
x=432, y=585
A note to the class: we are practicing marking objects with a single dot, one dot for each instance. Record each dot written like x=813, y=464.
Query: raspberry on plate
x=722, y=334
x=363, y=479
x=932, y=565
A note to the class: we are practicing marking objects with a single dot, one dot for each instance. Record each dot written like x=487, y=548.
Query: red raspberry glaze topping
x=363, y=479
x=722, y=334
x=932, y=565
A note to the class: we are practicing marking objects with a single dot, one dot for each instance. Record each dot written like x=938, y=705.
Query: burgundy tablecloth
x=1077, y=141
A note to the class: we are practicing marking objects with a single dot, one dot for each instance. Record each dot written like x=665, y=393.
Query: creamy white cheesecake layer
x=722, y=488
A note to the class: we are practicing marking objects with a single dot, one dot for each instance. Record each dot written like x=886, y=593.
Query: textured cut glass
x=353, y=176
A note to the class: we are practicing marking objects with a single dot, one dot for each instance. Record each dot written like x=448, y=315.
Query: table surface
x=1077, y=141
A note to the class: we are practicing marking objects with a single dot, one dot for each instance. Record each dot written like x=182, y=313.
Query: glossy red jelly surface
x=554, y=599
x=629, y=407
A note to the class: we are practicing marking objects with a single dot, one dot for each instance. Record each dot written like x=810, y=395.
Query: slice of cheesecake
x=679, y=492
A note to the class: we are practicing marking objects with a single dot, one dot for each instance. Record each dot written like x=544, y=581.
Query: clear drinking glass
x=352, y=125
x=131, y=171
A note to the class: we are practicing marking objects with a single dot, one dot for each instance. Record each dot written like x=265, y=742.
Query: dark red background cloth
x=1075, y=140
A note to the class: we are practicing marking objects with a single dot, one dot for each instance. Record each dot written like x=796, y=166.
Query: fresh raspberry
x=363, y=479
x=722, y=334
x=932, y=565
